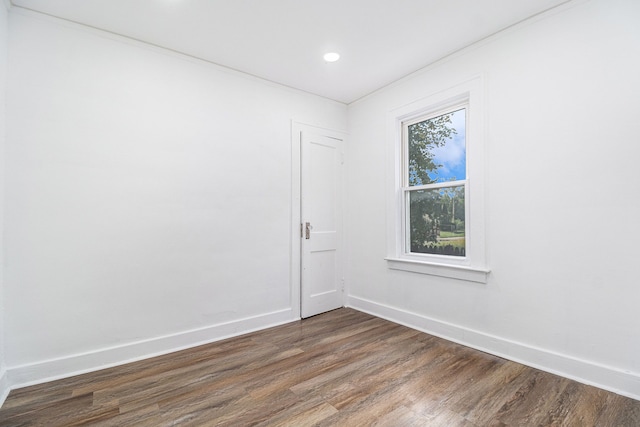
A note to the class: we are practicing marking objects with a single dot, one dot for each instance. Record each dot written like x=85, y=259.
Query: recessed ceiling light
x=331, y=57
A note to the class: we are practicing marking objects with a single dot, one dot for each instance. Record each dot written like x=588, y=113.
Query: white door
x=321, y=216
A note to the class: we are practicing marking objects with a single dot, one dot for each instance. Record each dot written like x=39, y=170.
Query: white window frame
x=406, y=189
x=471, y=267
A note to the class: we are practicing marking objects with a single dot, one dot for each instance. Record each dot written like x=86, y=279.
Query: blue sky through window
x=452, y=155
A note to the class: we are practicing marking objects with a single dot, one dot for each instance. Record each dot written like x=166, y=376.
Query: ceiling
x=283, y=41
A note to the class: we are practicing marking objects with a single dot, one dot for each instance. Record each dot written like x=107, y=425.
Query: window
x=436, y=197
x=434, y=190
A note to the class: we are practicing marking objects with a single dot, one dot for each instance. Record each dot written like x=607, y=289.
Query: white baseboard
x=625, y=383
x=49, y=370
x=4, y=385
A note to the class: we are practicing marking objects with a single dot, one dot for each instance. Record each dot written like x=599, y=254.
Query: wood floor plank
x=532, y=402
x=402, y=416
x=485, y=396
x=342, y=368
x=618, y=411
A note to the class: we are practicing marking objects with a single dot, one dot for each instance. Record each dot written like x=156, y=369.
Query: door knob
x=307, y=230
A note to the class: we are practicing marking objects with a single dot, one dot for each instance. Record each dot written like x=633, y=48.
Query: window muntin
x=435, y=184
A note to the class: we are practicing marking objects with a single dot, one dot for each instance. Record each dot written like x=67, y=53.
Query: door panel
x=321, y=207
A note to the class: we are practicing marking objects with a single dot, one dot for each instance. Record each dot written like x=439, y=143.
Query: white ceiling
x=283, y=41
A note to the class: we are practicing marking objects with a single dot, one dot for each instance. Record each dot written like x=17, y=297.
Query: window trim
x=472, y=266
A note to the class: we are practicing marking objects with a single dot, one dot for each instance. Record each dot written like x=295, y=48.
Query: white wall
x=562, y=218
x=148, y=199
x=4, y=37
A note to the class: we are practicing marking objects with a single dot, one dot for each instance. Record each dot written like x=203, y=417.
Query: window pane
x=436, y=221
x=437, y=149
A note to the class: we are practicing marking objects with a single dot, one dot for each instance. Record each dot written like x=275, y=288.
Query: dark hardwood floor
x=342, y=368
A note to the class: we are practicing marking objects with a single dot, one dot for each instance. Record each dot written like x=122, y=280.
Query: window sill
x=470, y=274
